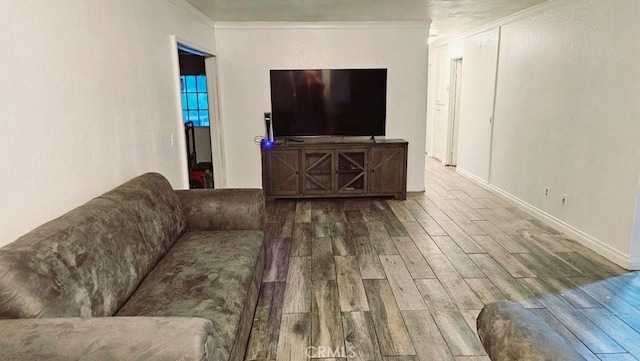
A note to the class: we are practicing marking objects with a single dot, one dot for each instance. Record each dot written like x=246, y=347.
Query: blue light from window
x=195, y=102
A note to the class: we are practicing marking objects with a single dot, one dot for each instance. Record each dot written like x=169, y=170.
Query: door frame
x=451, y=153
x=215, y=120
x=215, y=124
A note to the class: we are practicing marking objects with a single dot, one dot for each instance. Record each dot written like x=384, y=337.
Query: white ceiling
x=449, y=16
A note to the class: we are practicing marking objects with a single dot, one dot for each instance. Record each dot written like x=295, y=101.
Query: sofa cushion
x=209, y=275
x=155, y=207
x=107, y=339
x=84, y=263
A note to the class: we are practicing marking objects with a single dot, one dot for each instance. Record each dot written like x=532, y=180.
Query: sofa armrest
x=107, y=338
x=510, y=332
x=223, y=209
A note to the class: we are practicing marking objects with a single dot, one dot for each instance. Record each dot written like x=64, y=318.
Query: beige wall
x=88, y=99
x=245, y=89
x=566, y=117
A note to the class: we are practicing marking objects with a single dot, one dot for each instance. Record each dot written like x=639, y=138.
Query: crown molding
x=323, y=25
x=534, y=10
x=186, y=6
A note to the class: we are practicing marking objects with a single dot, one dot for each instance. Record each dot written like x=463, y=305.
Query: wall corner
x=634, y=247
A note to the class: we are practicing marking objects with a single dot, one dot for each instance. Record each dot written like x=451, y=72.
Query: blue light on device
x=266, y=143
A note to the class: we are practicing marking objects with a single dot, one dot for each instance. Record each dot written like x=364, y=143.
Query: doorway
x=195, y=115
x=454, y=112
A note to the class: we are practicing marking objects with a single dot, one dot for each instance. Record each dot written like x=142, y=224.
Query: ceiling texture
x=449, y=16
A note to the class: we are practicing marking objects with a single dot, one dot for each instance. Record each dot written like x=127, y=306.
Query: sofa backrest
x=89, y=261
x=150, y=200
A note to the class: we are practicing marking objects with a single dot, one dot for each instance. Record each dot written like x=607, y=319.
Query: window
x=195, y=104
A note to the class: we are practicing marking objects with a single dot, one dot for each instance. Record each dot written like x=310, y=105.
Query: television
x=328, y=102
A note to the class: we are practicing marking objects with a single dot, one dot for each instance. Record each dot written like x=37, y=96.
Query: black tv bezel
x=324, y=135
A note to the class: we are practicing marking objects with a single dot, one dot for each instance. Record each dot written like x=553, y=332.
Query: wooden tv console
x=335, y=167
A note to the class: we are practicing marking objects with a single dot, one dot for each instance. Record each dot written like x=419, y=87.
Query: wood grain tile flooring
x=379, y=279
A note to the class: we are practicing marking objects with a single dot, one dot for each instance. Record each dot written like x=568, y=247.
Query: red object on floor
x=197, y=176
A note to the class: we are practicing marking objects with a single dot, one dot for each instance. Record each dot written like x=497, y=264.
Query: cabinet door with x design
x=284, y=170
x=351, y=171
x=334, y=171
x=317, y=167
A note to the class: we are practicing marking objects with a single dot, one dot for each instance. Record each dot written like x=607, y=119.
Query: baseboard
x=579, y=236
x=634, y=263
x=481, y=182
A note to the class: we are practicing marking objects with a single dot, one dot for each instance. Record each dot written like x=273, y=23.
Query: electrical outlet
x=546, y=192
x=564, y=200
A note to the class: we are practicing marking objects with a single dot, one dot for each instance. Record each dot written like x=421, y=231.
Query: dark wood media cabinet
x=334, y=167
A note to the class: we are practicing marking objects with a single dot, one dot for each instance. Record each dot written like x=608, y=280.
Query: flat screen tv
x=329, y=102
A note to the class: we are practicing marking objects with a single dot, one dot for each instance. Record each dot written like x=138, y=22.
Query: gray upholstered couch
x=141, y=272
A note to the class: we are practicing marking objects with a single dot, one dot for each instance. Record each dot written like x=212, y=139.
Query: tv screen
x=338, y=102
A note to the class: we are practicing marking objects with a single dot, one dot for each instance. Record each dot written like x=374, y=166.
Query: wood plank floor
x=379, y=279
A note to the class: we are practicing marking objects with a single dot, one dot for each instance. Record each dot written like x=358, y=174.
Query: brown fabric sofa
x=142, y=272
